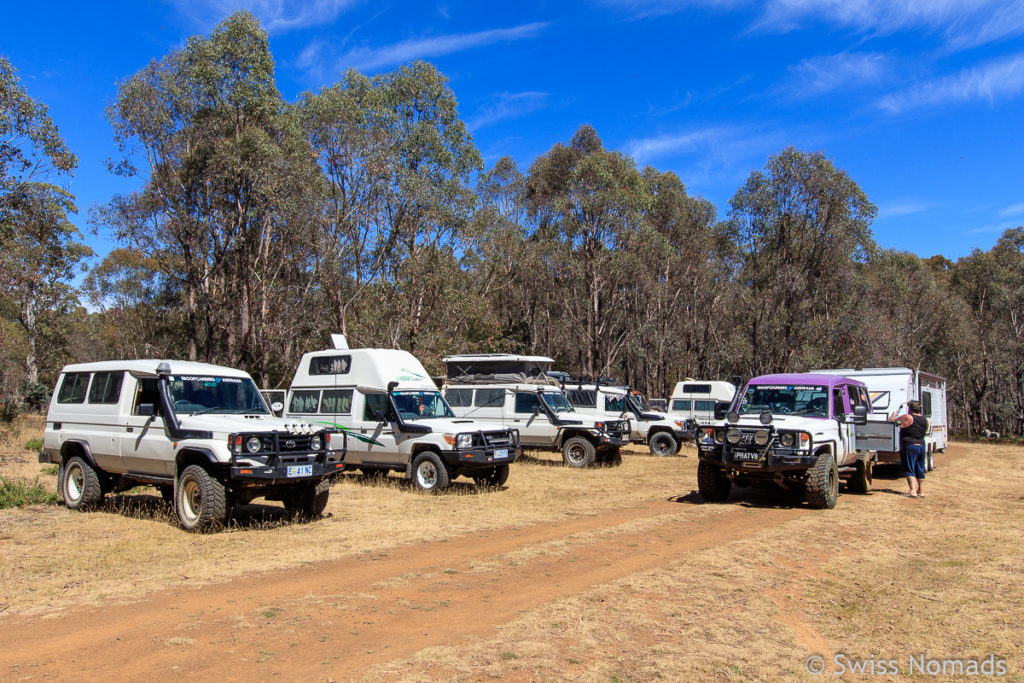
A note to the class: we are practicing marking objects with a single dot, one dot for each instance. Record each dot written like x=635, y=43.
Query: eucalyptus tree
x=225, y=177
x=802, y=226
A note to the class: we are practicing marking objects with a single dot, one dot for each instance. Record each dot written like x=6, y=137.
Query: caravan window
x=680, y=404
x=305, y=401
x=106, y=387
x=336, y=401
x=926, y=403
x=459, y=398
x=330, y=365
x=489, y=398
x=72, y=389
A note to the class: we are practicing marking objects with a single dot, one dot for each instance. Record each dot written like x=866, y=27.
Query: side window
x=681, y=404
x=489, y=398
x=330, y=365
x=708, y=406
x=838, y=404
x=106, y=387
x=615, y=403
x=336, y=401
x=72, y=389
x=526, y=402
x=459, y=398
x=696, y=389
x=376, y=407
x=146, y=393
x=582, y=398
x=304, y=401
x=926, y=403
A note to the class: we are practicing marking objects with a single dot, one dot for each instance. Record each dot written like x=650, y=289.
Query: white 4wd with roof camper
x=697, y=399
x=200, y=433
x=515, y=391
x=396, y=419
x=663, y=435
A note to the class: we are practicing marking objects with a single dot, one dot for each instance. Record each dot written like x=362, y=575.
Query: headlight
x=314, y=443
x=787, y=440
x=254, y=444
x=464, y=441
x=733, y=436
x=761, y=437
x=720, y=435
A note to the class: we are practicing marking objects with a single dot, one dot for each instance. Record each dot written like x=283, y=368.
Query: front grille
x=502, y=439
x=288, y=442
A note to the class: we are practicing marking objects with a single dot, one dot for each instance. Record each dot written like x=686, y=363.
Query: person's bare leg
x=912, y=486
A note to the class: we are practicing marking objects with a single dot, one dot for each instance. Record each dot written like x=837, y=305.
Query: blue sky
x=918, y=100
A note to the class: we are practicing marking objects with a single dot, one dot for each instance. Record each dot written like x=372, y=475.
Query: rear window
x=926, y=404
x=72, y=389
x=305, y=401
x=459, y=398
x=106, y=387
x=330, y=365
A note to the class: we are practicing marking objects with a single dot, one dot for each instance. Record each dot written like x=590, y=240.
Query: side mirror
x=860, y=415
x=148, y=409
x=721, y=409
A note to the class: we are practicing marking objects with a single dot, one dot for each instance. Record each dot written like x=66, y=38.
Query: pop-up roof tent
x=498, y=368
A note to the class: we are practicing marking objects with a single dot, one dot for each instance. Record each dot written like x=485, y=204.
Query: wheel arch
x=194, y=456
x=73, y=447
x=416, y=450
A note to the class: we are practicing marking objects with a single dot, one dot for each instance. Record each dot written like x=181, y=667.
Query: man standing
x=913, y=428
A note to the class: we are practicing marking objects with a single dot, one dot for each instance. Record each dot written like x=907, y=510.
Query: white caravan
x=516, y=391
x=663, y=435
x=696, y=399
x=891, y=388
x=396, y=419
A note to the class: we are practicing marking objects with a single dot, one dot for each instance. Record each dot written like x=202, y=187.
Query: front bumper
x=481, y=457
x=285, y=472
x=770, y=459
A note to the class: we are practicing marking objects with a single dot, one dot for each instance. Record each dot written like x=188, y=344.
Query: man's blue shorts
x=912, y=460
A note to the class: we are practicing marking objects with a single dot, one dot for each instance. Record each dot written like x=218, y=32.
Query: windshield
x=421, y=405
x=640, y=403
x=557, y=402
x=193, y=395
x=785, y=400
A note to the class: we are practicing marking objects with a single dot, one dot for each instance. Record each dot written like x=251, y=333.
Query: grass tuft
x=16, y=493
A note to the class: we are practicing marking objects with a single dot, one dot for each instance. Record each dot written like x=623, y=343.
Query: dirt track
x=334, y=619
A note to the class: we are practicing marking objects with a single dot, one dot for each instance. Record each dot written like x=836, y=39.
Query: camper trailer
x=891, y=388
x=696, y=399
x=396, y=419
x=517, y=392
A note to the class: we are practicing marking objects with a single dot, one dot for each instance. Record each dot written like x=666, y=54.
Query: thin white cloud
x=642, y=9
x=992, y=228
x=819, y=75
x=1013, y=210
x=994, y=81
x=963, y=23
x=712, y=147
x=508, y=106
x=275, y=15
x=368, y=59
x=903, y=207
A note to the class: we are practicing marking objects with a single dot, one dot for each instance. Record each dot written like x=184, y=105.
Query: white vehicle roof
x=876, y=372
x=511, y=357
x=719, y=390
x=374, y=368
x=148, y=367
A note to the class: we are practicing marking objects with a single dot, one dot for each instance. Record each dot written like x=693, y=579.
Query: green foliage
x=34, y=445
x=16, y=493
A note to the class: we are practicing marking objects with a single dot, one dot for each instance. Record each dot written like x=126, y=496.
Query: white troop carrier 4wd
x=697, y=399
x=200, y=433
x=663, y=435
x=515, y=391
x=396, y=419
x=802, y=432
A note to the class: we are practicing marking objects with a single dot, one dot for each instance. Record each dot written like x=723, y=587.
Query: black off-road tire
x=578, y=452
x=712, y=483
x=308, y=500
x=863, y=473
x=429, y=473
x=80, y=484
x=663, y=444
x=821, y=488
x=493, y=477
x=200, y=501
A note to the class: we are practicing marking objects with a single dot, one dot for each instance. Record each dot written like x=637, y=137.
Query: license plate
x=746, y=455
x=501, y=453
x=300, y=470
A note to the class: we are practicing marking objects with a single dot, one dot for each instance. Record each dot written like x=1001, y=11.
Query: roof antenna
x=339, y=341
